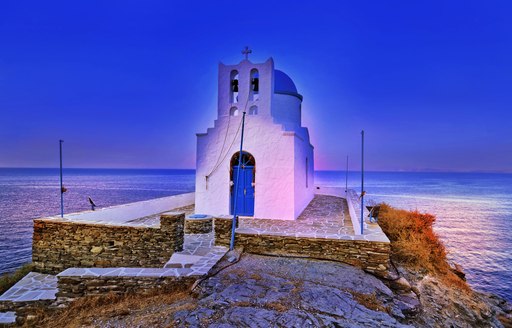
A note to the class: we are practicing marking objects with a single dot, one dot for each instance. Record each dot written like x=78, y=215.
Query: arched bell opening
x=242, y=184
x=233, y=87
x=255, y=85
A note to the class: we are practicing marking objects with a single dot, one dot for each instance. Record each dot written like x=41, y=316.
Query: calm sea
x=474, y=211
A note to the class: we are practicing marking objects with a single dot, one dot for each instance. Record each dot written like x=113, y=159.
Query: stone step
x=182, y=260
x=33, y=287
x=7, y=318
x=32, y=292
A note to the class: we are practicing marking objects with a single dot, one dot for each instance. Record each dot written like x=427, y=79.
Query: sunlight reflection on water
x=474, y=216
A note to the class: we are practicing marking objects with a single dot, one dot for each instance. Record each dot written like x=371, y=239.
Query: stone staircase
x=36, y=290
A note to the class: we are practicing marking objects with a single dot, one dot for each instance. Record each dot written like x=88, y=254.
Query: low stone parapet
x=222, y=226
x=371, y=256
x=75, y=283
x=59, y=243
x=195, y=224
x=370, y=252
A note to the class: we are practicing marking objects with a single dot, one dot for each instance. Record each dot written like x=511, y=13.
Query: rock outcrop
x=269, y=291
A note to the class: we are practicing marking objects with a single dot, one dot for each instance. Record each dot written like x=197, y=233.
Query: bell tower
x=245, y=87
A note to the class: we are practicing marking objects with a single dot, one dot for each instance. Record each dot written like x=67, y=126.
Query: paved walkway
x=198, y=244
x=33, y=287
x=325, y=217
x=154, y=220
x=7, y=317
x=197, y=249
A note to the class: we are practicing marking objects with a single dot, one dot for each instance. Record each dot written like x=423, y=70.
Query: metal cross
x=246, y=52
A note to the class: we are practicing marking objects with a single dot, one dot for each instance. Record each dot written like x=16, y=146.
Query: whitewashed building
x=276, y=179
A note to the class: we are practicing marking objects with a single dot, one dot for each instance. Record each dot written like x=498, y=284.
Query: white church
x=276, y=176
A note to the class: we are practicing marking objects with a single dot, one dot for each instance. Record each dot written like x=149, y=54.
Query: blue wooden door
x=244, y=191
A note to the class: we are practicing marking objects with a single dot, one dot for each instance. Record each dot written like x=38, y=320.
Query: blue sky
x=128, y=84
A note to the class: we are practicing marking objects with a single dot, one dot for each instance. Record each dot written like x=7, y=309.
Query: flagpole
x=235, y=185
x=346, y=177
x=362, y=180
x=61, y=187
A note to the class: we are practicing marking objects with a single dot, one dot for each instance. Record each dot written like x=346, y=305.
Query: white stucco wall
x=286, y=110
x=304, y=193
x=273, y=153
x=274, y=137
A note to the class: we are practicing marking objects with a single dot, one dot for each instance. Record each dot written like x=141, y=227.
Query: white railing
x=354, y=208
x=120, y=214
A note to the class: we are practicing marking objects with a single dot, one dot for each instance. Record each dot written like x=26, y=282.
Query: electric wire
x=218, y=163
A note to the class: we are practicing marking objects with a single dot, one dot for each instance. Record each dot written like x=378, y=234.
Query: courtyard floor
x=325, y=217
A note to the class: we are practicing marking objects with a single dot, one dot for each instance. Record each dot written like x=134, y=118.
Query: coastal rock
x=262, y=291
x=409, y=304
x=400, y=285
x=459, y=271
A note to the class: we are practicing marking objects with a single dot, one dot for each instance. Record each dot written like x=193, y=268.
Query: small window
x=307, y=177
x=233, y=111
x=253, y=110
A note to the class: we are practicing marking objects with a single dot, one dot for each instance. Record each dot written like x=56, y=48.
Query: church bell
x=255, y=82
x=234, y=85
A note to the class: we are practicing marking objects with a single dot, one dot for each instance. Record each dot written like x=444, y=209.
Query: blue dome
x=283, y=83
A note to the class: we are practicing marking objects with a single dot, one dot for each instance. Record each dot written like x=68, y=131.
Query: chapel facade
x=276, y=177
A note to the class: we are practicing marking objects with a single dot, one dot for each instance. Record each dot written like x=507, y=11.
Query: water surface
x=474, y=211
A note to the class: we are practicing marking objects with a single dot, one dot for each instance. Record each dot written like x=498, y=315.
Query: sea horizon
x=316, y=170
x=473, y=210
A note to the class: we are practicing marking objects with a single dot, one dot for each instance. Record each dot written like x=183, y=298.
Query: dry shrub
x=414, y=243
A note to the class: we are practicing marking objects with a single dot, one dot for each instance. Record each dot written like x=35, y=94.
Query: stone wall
x=24, y=309
x=199, y=225
x=74, y=287
x=60, y=244
x=222, y=228
x=372, y=256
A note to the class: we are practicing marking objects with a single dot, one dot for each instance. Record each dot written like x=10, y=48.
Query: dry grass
x=85, y=311
x=255, y=276
x=415, y=245
x=273, y=306
x=276, y=306
x=369, y=301
x=9, y=279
